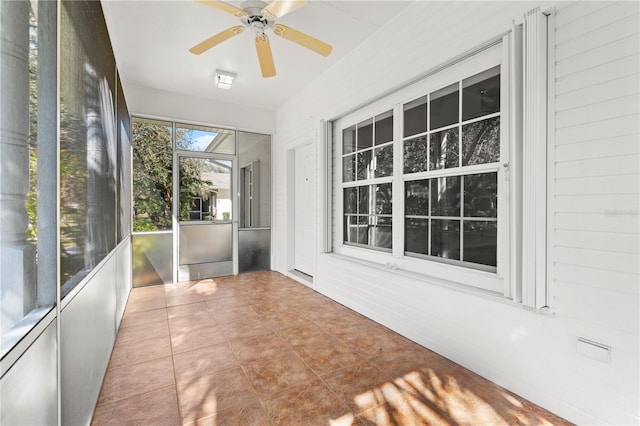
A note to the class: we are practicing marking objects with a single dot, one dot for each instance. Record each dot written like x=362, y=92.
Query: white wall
x=161, y=104
x=594, y=217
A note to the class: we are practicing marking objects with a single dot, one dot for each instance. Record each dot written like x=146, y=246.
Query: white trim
x=534, y=209
x=327, y=192
x=551, y=141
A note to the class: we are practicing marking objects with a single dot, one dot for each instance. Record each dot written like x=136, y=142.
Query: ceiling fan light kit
x=260, y=16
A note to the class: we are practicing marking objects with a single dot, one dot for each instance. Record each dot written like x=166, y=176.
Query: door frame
x=233, y=195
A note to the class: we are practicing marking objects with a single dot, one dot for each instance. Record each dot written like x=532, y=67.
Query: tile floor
x=262, y=349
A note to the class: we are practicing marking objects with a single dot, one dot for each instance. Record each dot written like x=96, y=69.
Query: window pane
x=415, y=117
x=481, y=142
x=416, y=236
x=205, y=189
x=480, y=242
x=417, y=198
x=205, y=139
x=445, y=238
x=380, y=232
x=481, y=94
x=384, y=128
x=254, y=157
x=349, y=140
x=350, y=200
x=152, y=175
x=444, y=149
x=384, y=161
x=445, y=196
x=383, y=198
x=364, y=168
x=349, y=168
x=363, y=229
x=415, y=155
x=363, y=199
x=365, y=134
x=481, y=195
x=351, y=232
x=444, y=107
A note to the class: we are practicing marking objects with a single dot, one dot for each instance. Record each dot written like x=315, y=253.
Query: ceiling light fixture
x=224, y=79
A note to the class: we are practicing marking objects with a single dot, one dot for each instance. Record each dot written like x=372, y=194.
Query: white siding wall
x=594, y=217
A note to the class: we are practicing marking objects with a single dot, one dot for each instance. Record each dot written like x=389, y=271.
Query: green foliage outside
x=153, y=175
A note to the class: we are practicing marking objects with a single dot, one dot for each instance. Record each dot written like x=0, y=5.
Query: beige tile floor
x=262, y=349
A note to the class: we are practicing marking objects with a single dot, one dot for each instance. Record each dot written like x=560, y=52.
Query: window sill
x=393, y=268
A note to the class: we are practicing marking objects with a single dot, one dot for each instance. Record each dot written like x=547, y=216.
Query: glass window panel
x=363, y=199
x=350, y=231
x=480, y=242
x=445, y=196
x=481, y=142
x=205, y=139
x=349, y=140
x=481, y=195
x=350, y=200
x=382, y=193
x=415, y=155
x=349, y=168
x=206, y=180
x=444, y=149
x=417, y=197
x=254, y=159
x=380, y=231
x=152, y=174
x=416, y=236
x=365, y=134
x=445, y=238
x=444, y=107
x=384, y=161
x=364, y=166
x=363, y=229
x=384, y=128
x=415, y=117
x=481, y=94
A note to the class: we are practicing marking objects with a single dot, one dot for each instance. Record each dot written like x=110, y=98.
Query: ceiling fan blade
x=279, y=8
x=302, y=39
x=224, y=7
x=265, y=57
x=216, y=39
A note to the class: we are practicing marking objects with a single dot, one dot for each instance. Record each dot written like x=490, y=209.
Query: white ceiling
x=151, y=41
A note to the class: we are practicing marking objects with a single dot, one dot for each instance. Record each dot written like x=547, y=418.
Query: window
x=451, y=209
x=152, y=174
x=367, y=165
x=422, y=178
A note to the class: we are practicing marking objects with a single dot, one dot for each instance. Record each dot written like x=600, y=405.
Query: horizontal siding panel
x=604, y=36
x=608, y=15
x=568, y=13
x=588, y=276
x=608, y=166
x=622, y=145
x=613, y=52
x=599, y=93
x=599, y=74
x=608, y=261
x=615, y=127
x=606, y=204
x=624, y=243
x=620, y=223
x=592, y=315
x=605, y=300
x=623, y=184
x=626, y=105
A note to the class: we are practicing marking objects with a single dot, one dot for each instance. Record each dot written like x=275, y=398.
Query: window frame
x=495, y=281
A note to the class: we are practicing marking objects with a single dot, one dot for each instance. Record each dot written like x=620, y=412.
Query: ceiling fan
x=260, y=16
